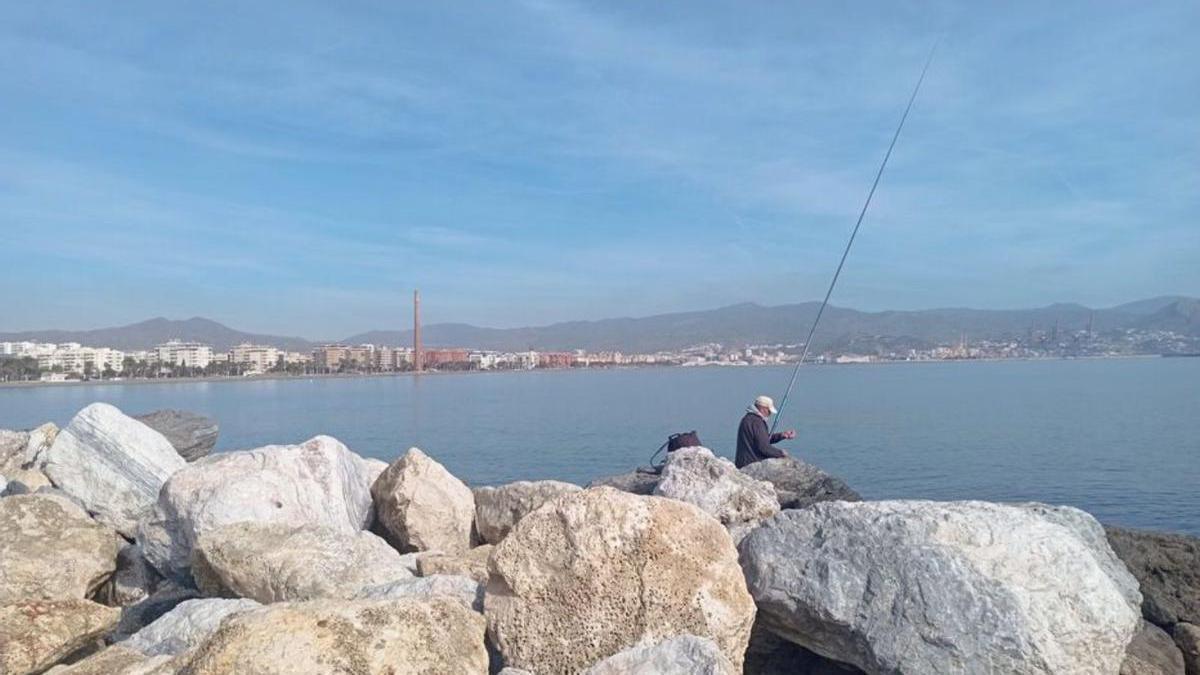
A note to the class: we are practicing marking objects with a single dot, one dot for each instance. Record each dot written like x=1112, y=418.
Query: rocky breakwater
x=310, y=559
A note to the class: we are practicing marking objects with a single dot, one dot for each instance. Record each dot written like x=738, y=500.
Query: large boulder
x=914, y=586
x=636, y=482
x=472, y=564
x=497, y=509
x=319, y=482
x=464, y=589
x=596, y=572
x=276, y=562
x=186, y=626
x=50, y=549
x=680, y=654
x=799, y=484
x=36, y=634
x=696, y=476
x=1168, y=568
x=769, y=654
x=1152, y=652
x=397, y=637
x=1187, y=638
x=115, y=660
x=135, y=617
x=113, y=464
x=423, y=506
x=193, y=436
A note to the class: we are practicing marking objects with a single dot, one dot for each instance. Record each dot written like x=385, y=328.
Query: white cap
x=766, y=402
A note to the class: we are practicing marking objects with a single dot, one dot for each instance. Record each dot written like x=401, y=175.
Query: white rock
x=695, y=476
x=965, y=587
x=399, y=637
x=498, y=508
x=186, y=626
x=113, y=464
x=423, y=506
x=275, y=562
x=683, y=654
x=318, y=482
x=595, y=572
x=51, y=549
x=464, y=589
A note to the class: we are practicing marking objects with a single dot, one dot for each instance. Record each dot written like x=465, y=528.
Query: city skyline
x=521, y=162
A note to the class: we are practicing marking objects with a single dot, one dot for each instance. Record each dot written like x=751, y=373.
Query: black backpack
x=683, y=439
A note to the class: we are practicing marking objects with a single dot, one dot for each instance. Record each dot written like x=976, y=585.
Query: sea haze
x=1119, y=438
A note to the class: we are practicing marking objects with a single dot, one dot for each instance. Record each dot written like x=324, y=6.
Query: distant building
x=189, y=354
x=445, y=357
x=555, y=359
x=256, y=358
x=333, y=358
x=73, y=358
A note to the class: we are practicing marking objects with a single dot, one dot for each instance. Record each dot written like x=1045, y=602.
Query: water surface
x=1119, y=438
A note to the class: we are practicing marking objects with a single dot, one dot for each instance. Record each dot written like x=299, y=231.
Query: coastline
x=310, y=376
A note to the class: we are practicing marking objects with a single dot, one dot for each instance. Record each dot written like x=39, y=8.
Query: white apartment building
x=73, y=358
x=179, y=353
x=257, y=358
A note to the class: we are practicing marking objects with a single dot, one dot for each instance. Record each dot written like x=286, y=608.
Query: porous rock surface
x=36, y=634
x=1168, y=568
x=275, y=562
x=913, y=586
x=714, y=484
x=498, y=508
x=423, y=506
x=111, y=463
x=1152, y=652
x=186, y=626
x=318, y=482
x=472, y=564
x=464, y=589
x=396, y=637
x=595, y=572
x=799, y=484
x=1187, y=638
x=50, y=549
x=193, y=436
x=115, y=660
x=680, y=654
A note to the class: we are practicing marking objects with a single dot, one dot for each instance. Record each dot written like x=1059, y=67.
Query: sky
x=299, y=168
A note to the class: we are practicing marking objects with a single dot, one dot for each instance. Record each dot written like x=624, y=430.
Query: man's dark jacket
x=754, y=441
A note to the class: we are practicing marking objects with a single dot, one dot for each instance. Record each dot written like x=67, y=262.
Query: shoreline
x=310, y=376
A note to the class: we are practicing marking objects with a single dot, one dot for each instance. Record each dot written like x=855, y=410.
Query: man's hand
x=789, y=434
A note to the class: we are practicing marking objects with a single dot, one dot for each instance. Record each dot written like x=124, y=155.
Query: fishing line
x=853, y=234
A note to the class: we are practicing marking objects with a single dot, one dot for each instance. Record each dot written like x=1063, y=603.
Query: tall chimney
x=418, y=357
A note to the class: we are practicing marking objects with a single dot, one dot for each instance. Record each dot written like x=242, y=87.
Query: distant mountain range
x=746, y=323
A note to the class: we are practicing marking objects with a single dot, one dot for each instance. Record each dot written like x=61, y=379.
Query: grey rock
x=497, y=509
x=1187, y=638
x=680, y=654
x=113, y=464
x=136, y=617
x=696, y=476
x=1168, y=568
x=276, y=562
x=970, y=587
x=134, y=581
x=634, y=482
x=1152, y=652
x=514, y=671
x=193, y=436
x=464, y=589
x=187, y=625
x=3, y=486
x=319, y=482
x=50, y=549
x=799, y=484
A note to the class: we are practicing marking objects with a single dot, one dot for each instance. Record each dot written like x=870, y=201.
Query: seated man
x=754, y=440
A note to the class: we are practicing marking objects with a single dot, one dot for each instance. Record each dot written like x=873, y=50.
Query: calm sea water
x=1119, y=438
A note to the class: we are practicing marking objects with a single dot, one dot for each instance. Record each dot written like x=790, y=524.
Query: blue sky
x=298, y=168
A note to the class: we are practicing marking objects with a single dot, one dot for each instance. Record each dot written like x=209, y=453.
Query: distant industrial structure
x=418, y=355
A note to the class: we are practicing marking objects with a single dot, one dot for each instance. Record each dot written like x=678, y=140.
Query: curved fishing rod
x=853, y=234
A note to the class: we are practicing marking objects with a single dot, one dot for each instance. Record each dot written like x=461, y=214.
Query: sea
x=1119, y=438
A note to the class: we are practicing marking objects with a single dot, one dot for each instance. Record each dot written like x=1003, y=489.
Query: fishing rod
x=853, y=233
